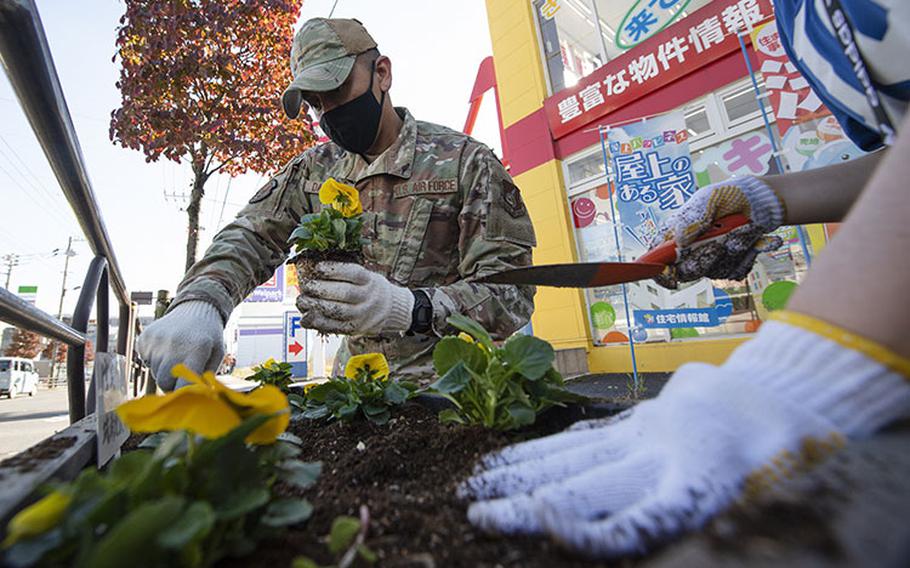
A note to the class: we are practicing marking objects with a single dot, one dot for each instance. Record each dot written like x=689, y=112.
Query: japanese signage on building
x=272, y=290
x=810, y=135
x=646, y=18
x=705, y=36
x=788, y=91
x=679, y=318
x=652, y=171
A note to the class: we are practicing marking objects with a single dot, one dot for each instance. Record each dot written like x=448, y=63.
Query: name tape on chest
x=424, y=186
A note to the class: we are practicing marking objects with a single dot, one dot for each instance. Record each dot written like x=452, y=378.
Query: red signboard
x=703, y=37
x=788, y=91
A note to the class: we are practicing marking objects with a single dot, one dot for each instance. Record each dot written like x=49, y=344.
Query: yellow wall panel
x=661, y=357
x=559, y=315
x=519, y=73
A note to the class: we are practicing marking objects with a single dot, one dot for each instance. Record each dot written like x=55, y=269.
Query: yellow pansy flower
x=465, y=337
x=369, y=366
x=37, y=518
x=270, y=363
x=308, y=387
x=207, y=408
x=343, y=198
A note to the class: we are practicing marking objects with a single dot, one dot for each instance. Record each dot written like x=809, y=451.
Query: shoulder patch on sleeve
x=265, y=191
x=512, y=201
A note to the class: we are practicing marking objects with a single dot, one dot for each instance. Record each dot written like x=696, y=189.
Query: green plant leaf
x=152, y=441
x=347, y=411
x=303, y=562
x=193, y=525
x=321, y=392
x=450, y=415
x=278, y=451
x=521, y=415
x=127, y=467
x=29, y=552
x=395, y=393
x=472, y=328
x=373, y=409
x=317, y=412
x=129, y=539
x=242, y=501
x=380, y=419
x=453, y=381
x=286, y=512
x=529, y=356
x=451, y=350
x=298, y=473
x=290, y=438
x=344, y=531
x=341, y=229
x=301, y=233
x=368, y=555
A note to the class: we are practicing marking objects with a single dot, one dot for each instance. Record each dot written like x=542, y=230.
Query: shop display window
x=579, y=36
x=727, y=139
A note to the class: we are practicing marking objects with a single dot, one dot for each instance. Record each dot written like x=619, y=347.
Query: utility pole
x=10, y=260
x=66, y=266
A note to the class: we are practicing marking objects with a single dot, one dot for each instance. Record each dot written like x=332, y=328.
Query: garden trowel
x=595, y=274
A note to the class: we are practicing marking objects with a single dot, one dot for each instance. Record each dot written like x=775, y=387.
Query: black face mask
x=355, y=124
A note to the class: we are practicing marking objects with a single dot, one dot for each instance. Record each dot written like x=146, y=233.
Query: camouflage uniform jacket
x=439, y=211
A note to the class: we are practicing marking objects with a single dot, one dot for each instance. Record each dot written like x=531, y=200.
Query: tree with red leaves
x=55, y=350
x=201, y=82
x=24, y=343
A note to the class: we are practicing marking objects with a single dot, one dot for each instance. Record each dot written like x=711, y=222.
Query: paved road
x=26, y=420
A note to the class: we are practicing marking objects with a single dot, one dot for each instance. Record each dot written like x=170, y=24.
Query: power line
x=47, y=207
x=52, y=199
x=223, y=202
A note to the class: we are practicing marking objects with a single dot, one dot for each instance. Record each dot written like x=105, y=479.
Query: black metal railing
x=27, y=61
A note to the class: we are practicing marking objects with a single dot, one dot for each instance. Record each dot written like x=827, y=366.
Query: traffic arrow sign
x=295, y=348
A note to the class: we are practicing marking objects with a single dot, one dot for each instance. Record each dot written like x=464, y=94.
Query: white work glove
x=348, y=299
x=732, y=256
x=778, y=406
x=192, y=333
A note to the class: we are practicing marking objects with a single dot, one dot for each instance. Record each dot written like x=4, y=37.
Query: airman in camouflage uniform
x=440, y=210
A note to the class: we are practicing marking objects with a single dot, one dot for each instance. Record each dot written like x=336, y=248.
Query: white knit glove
x=732, y=256
x=192, y=333
x=348, y=299
x=779, y=405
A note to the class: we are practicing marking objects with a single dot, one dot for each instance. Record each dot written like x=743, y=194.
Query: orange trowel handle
x=665, y=253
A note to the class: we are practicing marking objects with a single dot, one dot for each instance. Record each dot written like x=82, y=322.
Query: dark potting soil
x=306, y=260
x=406, y=473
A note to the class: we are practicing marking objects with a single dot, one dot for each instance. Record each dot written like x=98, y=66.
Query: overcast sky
x=435, y=48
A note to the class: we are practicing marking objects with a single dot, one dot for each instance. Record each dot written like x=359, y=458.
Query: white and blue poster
x=652, y=169
x=652, y=172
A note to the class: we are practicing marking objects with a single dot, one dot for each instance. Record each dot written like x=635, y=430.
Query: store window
x=727, y=138
x=578, y=36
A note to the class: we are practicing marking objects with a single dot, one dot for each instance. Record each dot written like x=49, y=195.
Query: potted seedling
x=365, y=390
x=332, y=234
x=503, y=387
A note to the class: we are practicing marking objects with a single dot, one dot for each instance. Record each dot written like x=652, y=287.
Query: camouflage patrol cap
x=322, y=56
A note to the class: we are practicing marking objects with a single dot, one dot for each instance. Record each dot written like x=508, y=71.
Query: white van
x=18, y=376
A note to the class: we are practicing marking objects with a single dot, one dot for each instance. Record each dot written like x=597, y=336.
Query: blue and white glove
x=732, y=256
x=192, y=333
x=779, y=405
